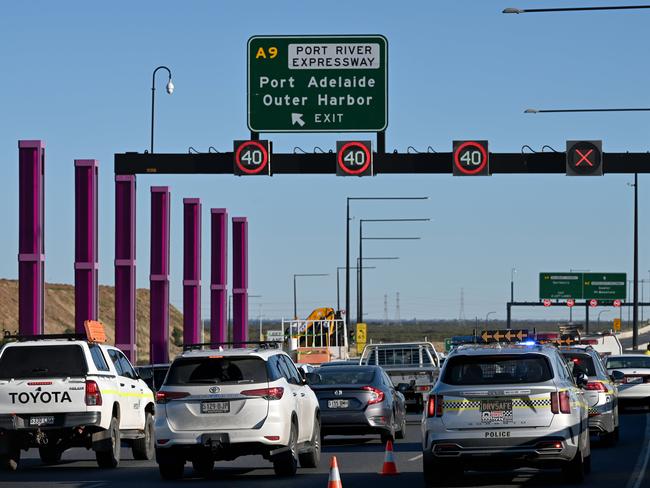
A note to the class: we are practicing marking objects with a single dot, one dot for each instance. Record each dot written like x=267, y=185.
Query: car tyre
x=286, y=463
x=143, y=449
x=203, y=466
x=437, y=474
x=574, y=471
x=172, y=470
x=9, y=461
x=50, y=454
x=111, y=458
x=311, y=458
x=401, y=433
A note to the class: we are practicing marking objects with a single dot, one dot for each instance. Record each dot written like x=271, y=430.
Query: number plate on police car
x=496, y=411
x=338, y=403
x=215, y=407
x=38, y=421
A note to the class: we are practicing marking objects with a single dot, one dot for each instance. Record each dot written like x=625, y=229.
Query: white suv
x=221, y=404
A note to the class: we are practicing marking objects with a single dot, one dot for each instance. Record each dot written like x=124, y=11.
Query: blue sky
x=77, y=75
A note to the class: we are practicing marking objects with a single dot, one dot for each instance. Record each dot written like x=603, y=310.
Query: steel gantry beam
x=383, y=163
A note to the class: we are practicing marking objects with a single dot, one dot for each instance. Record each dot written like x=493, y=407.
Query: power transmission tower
x=385, y=309
x=398, y=317
x=461, y=312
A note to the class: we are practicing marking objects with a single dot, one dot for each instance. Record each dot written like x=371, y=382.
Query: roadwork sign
x=317, y=83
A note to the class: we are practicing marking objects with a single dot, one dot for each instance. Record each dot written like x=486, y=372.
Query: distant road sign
x=547, y=302
x=605, y=286
x=470, y=158
x=275, y=335
x=617, y=325
x=616, y=303
x=560, y=285
x=506, y=335
x=584, y=158
x=354, y=158
x=361, y=336
x=593, y=302
x=317, y=83
x=570, y=302
x=252, y=158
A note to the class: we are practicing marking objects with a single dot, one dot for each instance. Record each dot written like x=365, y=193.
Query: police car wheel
x=574, y=471
x=110, y=458
x=438, y=474
x=50, y=454
x=10, y=460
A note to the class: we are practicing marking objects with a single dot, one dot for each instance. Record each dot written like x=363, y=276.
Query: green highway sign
x=560, y=285
x=317, y=83
x=605, y=286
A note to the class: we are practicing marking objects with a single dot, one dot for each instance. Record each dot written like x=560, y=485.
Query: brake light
x=378, y=395
x=589, y=341
x=596, y=386
x=560, y=402
x=39, y=383
x=266, y=393
x=435, y=406
x=93, y=395
x=163, y=396
x=423, y=388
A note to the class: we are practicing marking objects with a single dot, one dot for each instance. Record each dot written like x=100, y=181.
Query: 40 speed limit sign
x=252, y=158
x=353, y=158
x=471, y=158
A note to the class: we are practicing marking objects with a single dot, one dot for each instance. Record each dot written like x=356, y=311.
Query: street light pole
x=635, y=311
x=487, y=317
x=512, y=284
x=600, y=313
x=170, y=90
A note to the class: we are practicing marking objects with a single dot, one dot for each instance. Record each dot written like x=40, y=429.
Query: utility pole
x=385, y=309
x=398, y=317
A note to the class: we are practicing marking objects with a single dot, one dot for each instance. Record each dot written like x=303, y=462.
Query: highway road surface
x=359, y=459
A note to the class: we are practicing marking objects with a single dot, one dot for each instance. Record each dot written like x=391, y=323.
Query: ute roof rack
x=8, y=336
x=231, y=345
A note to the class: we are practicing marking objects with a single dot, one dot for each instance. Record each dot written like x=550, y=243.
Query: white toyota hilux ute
x=60, y=391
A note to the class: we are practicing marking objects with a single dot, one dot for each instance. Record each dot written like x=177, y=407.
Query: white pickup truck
x=413, y=367
x=61, y=391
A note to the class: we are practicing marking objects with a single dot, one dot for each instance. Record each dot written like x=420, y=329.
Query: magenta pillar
x=159, y=275
x=192, y=326
x=240, y=279
x=31, y=237
x=218, y=275
x=125, y=265
x=85, y=247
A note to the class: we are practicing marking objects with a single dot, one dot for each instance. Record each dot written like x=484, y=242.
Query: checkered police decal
x=535, y=402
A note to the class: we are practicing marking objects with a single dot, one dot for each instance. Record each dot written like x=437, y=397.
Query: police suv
x=505, y=405
x=62, y=391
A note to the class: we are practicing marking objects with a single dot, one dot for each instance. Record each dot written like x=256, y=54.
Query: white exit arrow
x=297, y=119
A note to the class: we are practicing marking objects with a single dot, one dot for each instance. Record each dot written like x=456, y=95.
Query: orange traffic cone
x=335, y=477
x=389, y=467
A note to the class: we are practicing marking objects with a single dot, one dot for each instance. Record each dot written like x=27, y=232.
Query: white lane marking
x=642, y=463
x=419, y=456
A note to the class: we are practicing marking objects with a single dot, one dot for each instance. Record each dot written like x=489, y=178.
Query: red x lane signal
x=570, y=302
x=593, y=303
x=547, y=302
x=584, y=158
x=617, y=303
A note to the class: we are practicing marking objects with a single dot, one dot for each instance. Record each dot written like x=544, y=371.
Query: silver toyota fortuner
x=514, y=406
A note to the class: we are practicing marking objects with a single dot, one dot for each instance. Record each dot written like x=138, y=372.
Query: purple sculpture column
x=219, y=275
x=85, y=265
x=240, y=279
x=159, y=275
x=125, y=265
x=192, y=325
x=31, y=237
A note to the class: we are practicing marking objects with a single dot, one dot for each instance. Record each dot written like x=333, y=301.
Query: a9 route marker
x=252, y=158
x=471, y=158
x=354, y=158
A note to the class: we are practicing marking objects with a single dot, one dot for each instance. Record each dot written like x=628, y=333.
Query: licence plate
x=38, y=421
x=338, y=403
x=634, y=379
x=215, y=407
x=496, y=412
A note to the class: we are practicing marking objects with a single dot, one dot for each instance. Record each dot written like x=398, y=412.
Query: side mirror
x=617, y=376
x=313, y=379
x=582, y=380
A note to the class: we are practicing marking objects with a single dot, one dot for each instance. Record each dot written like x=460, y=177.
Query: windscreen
x=500, y=369
x=217, y=370
x=629, y=362
x=339, y=376
x=42, y=362
x=583, y=361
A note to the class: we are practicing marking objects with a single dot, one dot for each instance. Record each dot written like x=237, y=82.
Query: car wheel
x=311, y=458
x=286, y=463
x=437, y=474
x=203, y=466
x=111, y=458
x=50, y=454
x=401, y=433
x=390, y=435
x=9, y=461
x=574, y=471
x=143, y=448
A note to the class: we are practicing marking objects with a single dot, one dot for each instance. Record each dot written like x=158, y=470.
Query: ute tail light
x=93, y=394
x=378, y=395
x=596, y=386
x=423, y=388
x=560, y=402
x=266, y=393
x=163, y=396
x=435, y=406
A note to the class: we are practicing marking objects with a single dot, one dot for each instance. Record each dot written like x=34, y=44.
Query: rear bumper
x=372, y=420
x=20, y=422
x=634, y=392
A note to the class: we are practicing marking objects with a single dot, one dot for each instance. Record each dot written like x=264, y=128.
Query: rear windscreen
x=499, y=369
x=217, y=370
x=583, y=361
x=338, y=376
x=42, y=362
x=631, y=362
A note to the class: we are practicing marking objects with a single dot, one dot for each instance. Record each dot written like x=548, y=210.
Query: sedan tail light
x=378, y=395
x=163, y=396
x=266, y=393
x=560, y=402
x=435, y=406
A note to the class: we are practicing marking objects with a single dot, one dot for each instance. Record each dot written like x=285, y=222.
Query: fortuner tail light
x=434, y=406
x=266, y=393
x=596, y=386
x=560, y=402
x=163, y=396
x=93, y=395
x=378, y=395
